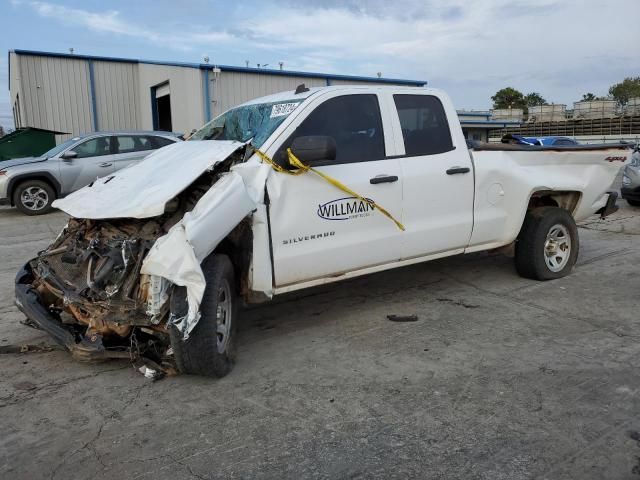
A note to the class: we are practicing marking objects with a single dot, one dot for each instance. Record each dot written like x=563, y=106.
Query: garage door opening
x=161, y=106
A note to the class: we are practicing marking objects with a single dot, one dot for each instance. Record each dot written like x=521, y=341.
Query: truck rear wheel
x=547, y=246
x=210, y=349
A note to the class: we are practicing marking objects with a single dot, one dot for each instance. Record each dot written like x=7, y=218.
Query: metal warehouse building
x=78, y=93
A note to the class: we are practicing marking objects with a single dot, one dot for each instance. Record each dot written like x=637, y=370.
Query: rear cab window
x=425, y=128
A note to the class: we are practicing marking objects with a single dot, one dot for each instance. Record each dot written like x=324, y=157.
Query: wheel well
x=238, y=246
x=567, y=200
x=16, y=182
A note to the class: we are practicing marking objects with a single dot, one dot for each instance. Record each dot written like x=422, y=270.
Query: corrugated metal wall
x=187, y=98
x=15, y=93
x=116, y=95
x=56, y=94
x=233, y=88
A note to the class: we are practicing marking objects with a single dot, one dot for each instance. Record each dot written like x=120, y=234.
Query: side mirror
x=314, y=148
x=69, y=155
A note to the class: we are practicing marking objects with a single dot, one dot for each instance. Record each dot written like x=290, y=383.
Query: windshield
x=59, y=148
x=255, y=121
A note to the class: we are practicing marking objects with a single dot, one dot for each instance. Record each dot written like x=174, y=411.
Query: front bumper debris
x=82, y=348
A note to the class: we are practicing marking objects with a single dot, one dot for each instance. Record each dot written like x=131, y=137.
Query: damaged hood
x=142, y=190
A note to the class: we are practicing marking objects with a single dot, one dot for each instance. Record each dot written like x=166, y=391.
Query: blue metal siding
x=92, y=93
x=154, y=108
x=207, y=95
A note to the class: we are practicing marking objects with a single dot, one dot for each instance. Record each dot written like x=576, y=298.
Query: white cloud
x=560, y=48
x=111, y=22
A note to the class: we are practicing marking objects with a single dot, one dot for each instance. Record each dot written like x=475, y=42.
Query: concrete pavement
x=500, y=378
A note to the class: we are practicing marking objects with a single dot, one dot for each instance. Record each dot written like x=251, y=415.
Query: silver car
x=631, y=180
x=32, y=184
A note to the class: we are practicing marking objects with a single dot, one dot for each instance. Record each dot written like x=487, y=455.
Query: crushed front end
x=103, y=288
x=86, y=290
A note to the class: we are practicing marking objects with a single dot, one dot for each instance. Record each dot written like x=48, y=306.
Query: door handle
x=383, y=179
x=105, y=164
x=455, y=170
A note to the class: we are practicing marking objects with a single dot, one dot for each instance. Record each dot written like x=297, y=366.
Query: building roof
x=225, y=68
x=35, y=129
x=474, y=113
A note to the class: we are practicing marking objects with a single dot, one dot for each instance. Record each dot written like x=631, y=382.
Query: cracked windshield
x=255, y=121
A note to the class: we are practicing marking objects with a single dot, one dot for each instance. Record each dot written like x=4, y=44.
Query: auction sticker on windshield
x=282, y=109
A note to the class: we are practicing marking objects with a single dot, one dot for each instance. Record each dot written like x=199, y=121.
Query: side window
x=355, y=124
x=133, y=143
x=159, y=142
x=95, y=147
x=425, y=128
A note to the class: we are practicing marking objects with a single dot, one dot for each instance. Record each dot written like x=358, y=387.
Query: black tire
x=203, y=353
x=39, y=197
x=535, y=257
x=633, y=203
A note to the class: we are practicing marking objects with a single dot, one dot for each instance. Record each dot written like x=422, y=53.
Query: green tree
x=623, y=91
x=508, y=98
x=534, y=99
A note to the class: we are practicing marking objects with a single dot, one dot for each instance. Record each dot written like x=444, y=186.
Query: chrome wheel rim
x=224, y=316
x=34, y=198
x=557, y=248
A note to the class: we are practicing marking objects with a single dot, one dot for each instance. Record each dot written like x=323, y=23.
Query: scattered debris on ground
x=402, y=318
x=459, y=303
x=38, y=348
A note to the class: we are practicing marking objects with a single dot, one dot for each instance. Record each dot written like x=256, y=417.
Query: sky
x=471, y=49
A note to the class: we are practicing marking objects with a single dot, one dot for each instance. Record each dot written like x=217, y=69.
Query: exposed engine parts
x=89, y=279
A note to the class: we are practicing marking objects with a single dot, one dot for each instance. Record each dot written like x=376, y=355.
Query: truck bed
x=480, y=146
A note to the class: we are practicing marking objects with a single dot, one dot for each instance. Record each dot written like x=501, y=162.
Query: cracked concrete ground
x=500, y=378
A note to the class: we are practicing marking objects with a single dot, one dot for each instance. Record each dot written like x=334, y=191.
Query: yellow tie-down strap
x=302, y=168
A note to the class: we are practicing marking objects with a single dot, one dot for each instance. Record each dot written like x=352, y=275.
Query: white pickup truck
x=156, y=257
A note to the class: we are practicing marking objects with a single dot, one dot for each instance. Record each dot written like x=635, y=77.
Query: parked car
x=291, y=191
x=32, y=184
x=631, y=180
x=548, y=141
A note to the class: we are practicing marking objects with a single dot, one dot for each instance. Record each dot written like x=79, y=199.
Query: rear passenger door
x=438, y=184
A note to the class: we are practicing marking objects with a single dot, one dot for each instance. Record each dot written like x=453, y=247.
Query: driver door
x=319, y=230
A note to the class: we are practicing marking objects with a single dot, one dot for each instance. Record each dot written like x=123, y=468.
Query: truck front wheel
x=547, y=246
x=210, y=348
